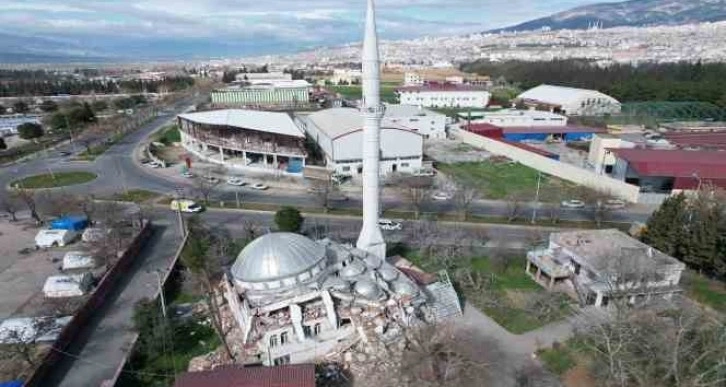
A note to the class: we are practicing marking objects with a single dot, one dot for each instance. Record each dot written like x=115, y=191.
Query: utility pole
x=70, y=131
x=536, y=198
x=161, y=292
x=236, y=198
x=180, y=218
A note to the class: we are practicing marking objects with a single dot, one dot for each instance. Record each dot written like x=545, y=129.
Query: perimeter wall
x=546, y=165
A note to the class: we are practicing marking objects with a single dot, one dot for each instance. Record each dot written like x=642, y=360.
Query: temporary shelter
x=58, y=286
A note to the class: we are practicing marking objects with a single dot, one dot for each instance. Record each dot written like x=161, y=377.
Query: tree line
x=692, y=229
x=628, y=83
x=22, y=86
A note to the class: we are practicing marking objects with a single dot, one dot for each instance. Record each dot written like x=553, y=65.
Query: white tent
x=32, y=329
x=78, y=260
x=74, y=285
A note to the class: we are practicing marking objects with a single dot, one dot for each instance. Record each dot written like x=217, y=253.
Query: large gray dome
x=277, y=256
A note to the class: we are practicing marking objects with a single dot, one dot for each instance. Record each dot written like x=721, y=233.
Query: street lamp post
x=536, y=198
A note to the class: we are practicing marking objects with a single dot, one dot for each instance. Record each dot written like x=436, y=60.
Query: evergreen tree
x=665, y=227
x=30, y=130
x=288, y=219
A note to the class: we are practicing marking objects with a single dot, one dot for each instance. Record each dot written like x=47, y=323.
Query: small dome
x=352, y=269
x=388, y=274
x=336, y=283
x=404, y=288
x=276, y=256
x=367, y=289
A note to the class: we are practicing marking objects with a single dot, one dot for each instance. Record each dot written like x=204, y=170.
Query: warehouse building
x=282, y=93
x=245, y=139
x=666, y=170
x=569, y=100
x=536, y=133
x=512, y=117
x=339, y=133
x=442, y=95
x=428, y=123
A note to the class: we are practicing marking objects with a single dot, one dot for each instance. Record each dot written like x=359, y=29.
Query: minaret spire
x=370, y=238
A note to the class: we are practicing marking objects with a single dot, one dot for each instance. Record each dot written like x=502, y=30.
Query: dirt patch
x=578, y=376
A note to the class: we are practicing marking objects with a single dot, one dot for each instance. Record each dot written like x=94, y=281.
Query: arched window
x=284, y=338
x=273, y=341
x=316, y=329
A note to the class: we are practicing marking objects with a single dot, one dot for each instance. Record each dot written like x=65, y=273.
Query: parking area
x=23, y=269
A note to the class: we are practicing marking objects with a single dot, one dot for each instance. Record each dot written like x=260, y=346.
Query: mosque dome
x=277, y=256
x=404, y=288
x=388, y=274
x=367, y=289
x=352, y=269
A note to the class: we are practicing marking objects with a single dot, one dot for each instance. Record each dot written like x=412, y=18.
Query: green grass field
x=135, y=195
x=706, y=291
x=59, y=179
x=168, y=135
x=497, y=180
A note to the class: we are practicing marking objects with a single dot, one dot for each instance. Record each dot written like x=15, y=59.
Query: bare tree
x=464, y=197
x=22, y=341
x=430, y=355
x=514, y=201
x=116, y=230
x=10, y=205
x=28, y=198
x=417, y=193
x=325, y=192
x=552, y=199
x=204, y=186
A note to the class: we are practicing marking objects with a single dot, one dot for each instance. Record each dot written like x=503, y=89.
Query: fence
x=71, y=331
x=552, y=167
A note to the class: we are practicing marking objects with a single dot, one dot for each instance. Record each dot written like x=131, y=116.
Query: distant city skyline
x=233, y=28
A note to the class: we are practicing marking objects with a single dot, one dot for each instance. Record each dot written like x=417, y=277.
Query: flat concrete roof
x=611, y=251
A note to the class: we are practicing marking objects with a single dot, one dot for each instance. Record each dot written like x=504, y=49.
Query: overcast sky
x=255, y=25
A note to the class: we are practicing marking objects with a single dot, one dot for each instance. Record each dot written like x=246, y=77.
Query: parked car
x=151, y=164
x=211, y=179
x=64, y=153
x=187, y=174
x=52, y=238
x=185, y=205
x=573, y=203
x=259, y=186
x=441, y=196
x=236, y=181
x=389, y=225
x=614, y=204
x=93, y=234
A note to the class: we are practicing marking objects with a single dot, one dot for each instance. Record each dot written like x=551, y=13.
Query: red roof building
x=687, y=169
x=703, y=140
x=295, y=375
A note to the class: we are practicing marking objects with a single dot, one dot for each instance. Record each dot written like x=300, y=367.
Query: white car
x=441, y=196
x=188, y=175
x=389, y=225
x=614, y=204
x=425, y=172
x=236, y=181
x=259, y=186
x=574, y=203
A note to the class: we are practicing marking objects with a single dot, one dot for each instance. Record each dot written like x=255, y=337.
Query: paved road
x=101, y=349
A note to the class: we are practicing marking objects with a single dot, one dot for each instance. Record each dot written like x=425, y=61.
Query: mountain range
x=635, y=13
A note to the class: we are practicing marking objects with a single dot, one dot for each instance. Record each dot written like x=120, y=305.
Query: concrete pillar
x=244, y=158
x=539, y=271
x=598, y=299
x=552, y=282
x=529, y=264
x=221, y=154
x=274, y=161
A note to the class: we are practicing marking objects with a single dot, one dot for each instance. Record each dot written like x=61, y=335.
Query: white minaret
x=370, y=238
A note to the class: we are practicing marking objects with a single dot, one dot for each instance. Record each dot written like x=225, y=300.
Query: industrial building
x=280, y=93
x=243, y=139
x=535, y=133
x=600, y=266
x=665, y=170
x=339, y=133
x=444, y=96
x=512, y=117
x=569, y=101
x=428, y=123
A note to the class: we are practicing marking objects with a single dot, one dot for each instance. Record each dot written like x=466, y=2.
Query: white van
x=185, y=205
x=51, y=238
x=78, y=260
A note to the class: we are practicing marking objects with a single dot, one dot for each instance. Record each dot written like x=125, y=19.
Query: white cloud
x=321, y=22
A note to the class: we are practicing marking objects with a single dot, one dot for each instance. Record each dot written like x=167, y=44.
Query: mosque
x=296, y=299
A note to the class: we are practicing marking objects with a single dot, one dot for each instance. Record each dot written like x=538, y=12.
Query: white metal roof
x=561, y=95
x=270, y=122
x=395, y=110
x=507, y=113
x=336, y=122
